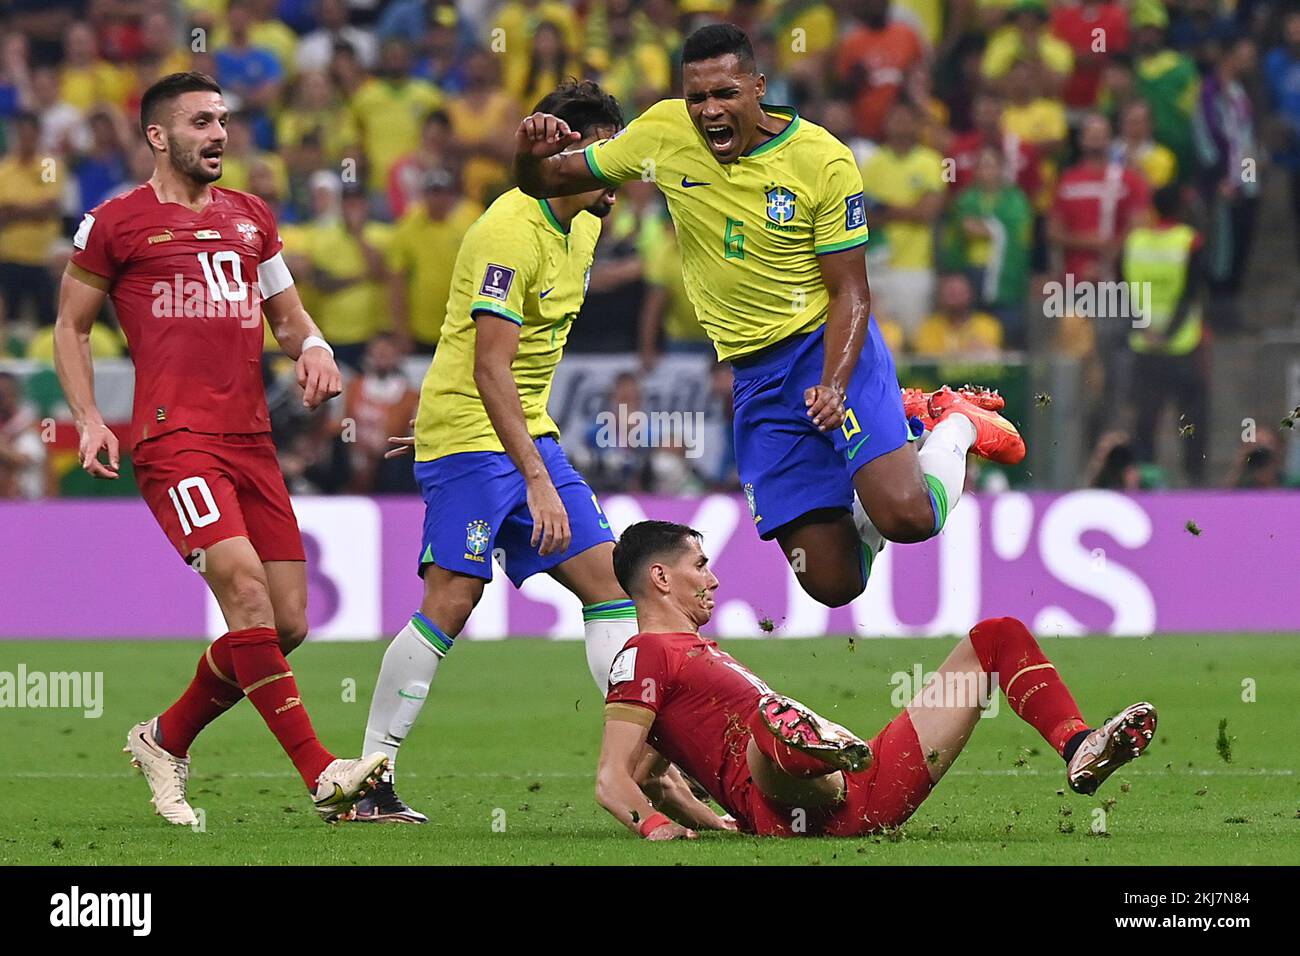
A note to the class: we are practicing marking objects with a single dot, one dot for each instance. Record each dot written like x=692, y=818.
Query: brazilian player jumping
x=496, y=484
x=773, y=764
x=772, y=222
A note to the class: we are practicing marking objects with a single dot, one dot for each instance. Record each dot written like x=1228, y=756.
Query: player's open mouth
x=215, y=153
x=720, y=137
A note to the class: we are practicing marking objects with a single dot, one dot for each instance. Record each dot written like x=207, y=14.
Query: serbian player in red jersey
x=773, y=764
x=191, y=269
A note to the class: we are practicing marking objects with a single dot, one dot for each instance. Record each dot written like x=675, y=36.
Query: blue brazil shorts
x=787, y=466
x=476, y=508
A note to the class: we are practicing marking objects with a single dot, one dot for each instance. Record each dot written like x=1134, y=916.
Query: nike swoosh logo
x=854, y=450
x=687, y=184
x=547, y=292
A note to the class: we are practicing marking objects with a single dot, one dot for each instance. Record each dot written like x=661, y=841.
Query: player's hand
x=403, y=444
x=727, y=822
x=319, y=377
x=671, y=831
x=542, y=135
x=97, y=437
x=825, y=405
x=550, y=520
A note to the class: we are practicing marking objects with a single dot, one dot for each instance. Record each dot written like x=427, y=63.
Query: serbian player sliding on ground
x=191, y=269
x=772, y=224
x=775, y=765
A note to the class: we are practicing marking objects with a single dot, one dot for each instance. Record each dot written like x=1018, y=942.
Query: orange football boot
x=916, y=403
x=995, y=438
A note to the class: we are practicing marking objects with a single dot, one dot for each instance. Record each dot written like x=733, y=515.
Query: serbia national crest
x=477, y=535
x=780, y=204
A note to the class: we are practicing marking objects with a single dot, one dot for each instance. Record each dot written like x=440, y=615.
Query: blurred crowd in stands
x=1020, y=159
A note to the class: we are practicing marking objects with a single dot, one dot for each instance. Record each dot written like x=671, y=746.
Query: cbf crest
x=780, y=204
x=477, y=537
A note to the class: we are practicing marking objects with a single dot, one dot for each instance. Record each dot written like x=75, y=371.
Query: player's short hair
x=719, y=39
x=583, y=105
x=164, y=91
x=643, y=543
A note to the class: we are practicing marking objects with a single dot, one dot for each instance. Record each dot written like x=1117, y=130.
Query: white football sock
x=404, y=678
x=943, y=459
x=607, y=627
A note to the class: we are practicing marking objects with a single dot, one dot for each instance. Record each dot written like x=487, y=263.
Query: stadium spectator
x=958, y=329
x=1095, y=30
x=1165, y=259
x=87, y=80
x=635, y=66
x=1030, y=116
x=436, y=151
x=1025, y=39
x=1168, y=81
x=1225, y=143
x=250, y=75
x=345, y=251
x=872, y=61
x=1113, y=466
x=315, y=109
x=1136, y=146
x=316, y=49
x=1282, y=81
x=161, y=53
x=101, y=170
x=1021, y=163
x=903, y=182
x=668, y=320
x=606, y=463
x=549, y=61
x=423, y=242
x=63, y=126
x=22, y=453
x=29, y=224
x=389, y=109
x=376, y=404
x=988, y=237
x=1260, y=464
x=483, y=118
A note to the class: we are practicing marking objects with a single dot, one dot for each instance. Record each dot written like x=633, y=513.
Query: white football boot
x=344, y=782
x=1122, y=738
x=167, y=774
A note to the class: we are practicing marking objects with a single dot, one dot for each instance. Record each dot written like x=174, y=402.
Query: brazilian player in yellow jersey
x=496, y=484
x=772, y=225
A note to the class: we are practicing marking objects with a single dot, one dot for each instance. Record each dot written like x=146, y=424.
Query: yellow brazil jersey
x=29, y=186
x=749, y=231
x=388, y=118
x=517, y=264
x=359, y=310
x=419, y=252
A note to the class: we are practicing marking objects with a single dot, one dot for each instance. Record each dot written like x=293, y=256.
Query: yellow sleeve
x=633, y=152
x=500, y=260
x=1001, y=52
x=840, y=216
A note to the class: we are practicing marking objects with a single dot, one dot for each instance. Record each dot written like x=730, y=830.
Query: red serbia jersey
x=188, y=290
x=700, y=700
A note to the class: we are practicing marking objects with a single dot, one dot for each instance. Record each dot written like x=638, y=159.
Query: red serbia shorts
x=879, y=798
x=206, y=488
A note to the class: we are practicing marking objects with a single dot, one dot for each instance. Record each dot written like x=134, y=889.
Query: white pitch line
x=553, y=775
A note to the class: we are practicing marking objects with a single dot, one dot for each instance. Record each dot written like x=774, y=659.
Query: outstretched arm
x=668, y=790
x=545, y=164
x=81, y=295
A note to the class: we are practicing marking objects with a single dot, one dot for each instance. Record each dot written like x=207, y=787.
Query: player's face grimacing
x=196, y=135
x=723, y=100
x=692, y=583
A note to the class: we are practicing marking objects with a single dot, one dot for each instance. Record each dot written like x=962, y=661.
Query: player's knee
x=247, y=600
x=907, y=519
x=292, y=632
x=833, y=592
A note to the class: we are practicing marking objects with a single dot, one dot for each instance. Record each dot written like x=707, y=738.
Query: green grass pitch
x=511, y=733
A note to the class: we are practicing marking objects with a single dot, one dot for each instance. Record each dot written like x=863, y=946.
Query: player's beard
x=190, y=162
x=600, y=208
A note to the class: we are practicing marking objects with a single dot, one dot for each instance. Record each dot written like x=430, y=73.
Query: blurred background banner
x=1081, y=562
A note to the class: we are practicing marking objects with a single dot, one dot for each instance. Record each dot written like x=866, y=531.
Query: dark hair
x=163, y=91
x=1167, y=200
x=583, y=105
x=642, y=543
x=719, y=39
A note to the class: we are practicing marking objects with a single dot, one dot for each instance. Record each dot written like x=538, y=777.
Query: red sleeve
x=94, y=249
x=641, y=674
x=1139, y=196
x=270, y=229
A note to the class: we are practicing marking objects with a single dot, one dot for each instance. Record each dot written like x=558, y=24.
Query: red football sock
x=794, y=762
x=264, y=675
x=212, y=692
x=1029, y=680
